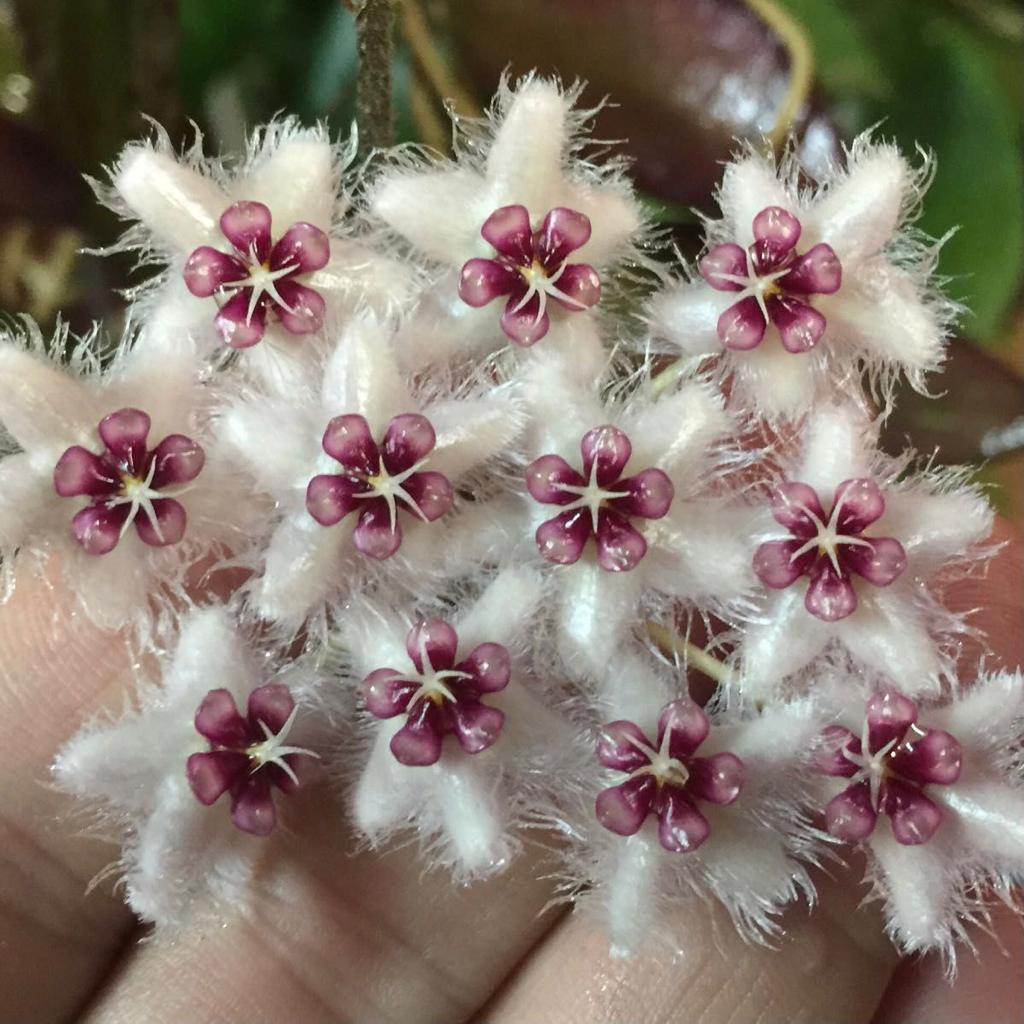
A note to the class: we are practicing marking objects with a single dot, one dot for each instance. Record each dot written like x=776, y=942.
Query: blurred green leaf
x=845, y=59
x=932, y=78
x=948, y=97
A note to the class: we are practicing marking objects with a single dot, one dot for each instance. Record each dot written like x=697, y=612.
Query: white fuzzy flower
x=257, y=253
x=360, y=470
x=555, y=227
x=801, y=288
x=111, y=473
x=138, y=771
x=854, y=549
x=461, y=730
x=626, y=502
x=935, y=795
x=690, y=807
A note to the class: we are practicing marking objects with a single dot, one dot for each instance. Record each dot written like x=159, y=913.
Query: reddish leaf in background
x=688, y=77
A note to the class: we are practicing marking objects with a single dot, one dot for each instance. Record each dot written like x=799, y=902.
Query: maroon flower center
x=829, y=548
x=598, y=502
x=440, y=695
x=666, y=778
x=260, y=276
x=378, y=479
x=248, y=755
x=773, y=284
x=888, y=766
x=128, y=483
x=531, y=267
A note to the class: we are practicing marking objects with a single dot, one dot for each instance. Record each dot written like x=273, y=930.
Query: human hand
x=341, y=934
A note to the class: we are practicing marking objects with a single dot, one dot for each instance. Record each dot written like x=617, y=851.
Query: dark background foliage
x=689, y=77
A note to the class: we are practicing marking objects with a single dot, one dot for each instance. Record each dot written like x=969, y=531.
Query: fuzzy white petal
x=888, y=634
x=700, y=551
x=184, y=851
x=748, y=186
x=388, y=794
x=503, y=610
x=984, y=710
x=28, y=504
x=880, y=313
x=687, y=317
x=838, y=445
x=919, y=888
x=525, y=162
x=595, y=609
x=471, y=810
x=991, y=817
x=632, y=892
x=748, y=868
x=178, y=204
x=774, y=382
x=42, y=405
x=676, y=432
x=935, y=527
x=298, y=180
x=439, y=211
x=210, y=654
x=357, y=272
x=361, y=375
x=304, y=562
x=123, y=762
x=269, y=440
x=470, y=431
x=860, y=212
x=784, y=641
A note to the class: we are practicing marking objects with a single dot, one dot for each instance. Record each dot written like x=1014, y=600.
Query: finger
x=989, y=986
x=335, y=936
x=56, y=669
x=718, y=978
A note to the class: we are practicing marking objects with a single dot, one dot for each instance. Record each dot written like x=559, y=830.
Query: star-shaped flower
x=439, y=696
x=518, y=213
x=465, y=793
x=799, y=289
x=665, y=778
x=260, y=276
x=949, y=778
x=114, y=475
x=249, y=755
x=718, y=806
x=148, y=768
x=531, y=267
x=875, y=561
x=262, y=238
x=355, y=437
x=648, y=490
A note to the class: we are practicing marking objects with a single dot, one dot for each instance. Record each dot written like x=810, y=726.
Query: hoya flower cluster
x=434, y=434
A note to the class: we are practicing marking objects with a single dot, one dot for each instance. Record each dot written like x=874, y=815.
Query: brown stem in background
x=430, y=63
x=375, y=22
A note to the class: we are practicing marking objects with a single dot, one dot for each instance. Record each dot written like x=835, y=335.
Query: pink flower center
x=773, y=283
x=829, y=549
x=530, y=268
x=248, y=755
x=888, y=766
x=598, y=502
x=665, y=779
x=440, y=695
x=259, y=276
x=128, y=484
x=378, y=479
